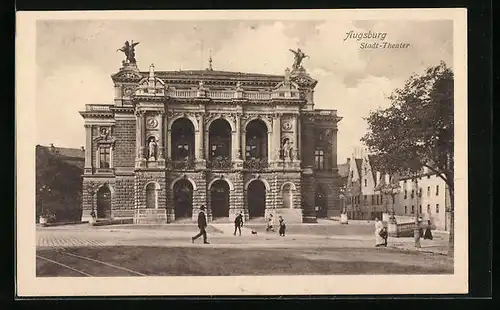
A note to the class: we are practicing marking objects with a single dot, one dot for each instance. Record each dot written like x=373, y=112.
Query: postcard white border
x=28, y=285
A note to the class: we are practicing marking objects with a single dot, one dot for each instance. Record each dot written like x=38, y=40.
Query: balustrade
x=98, y=107
x=256, y=164
x=182, y=164
x=219, y=163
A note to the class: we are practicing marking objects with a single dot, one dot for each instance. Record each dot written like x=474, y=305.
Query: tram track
x=85, y=266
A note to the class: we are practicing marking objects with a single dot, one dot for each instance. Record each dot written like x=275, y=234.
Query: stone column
x=270, y=145
x=295, y=139
x=166, y=132
x=299, y=139
x=138, y=134
x=276, y=137
x=88, y=146
x=97, y=159
x=237, y=140
x=244, y=144
x=111, y=151
x=334, y=148
x=207, y=143
x=198, y=138
x=199, y=150
x=161, y=148
x=142, y=122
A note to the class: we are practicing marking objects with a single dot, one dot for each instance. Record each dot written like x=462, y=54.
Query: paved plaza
x=83, y=250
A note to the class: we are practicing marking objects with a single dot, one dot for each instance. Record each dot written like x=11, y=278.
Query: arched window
x=151, y=196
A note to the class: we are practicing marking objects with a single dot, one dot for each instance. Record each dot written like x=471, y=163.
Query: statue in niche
x=152, y=148
x=287, y=147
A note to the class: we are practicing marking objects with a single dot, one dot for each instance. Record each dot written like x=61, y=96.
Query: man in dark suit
x=238, y=222
x=202, y=225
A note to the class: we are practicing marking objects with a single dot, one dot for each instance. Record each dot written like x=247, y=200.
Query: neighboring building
x=364, y=198
x=71, y=156
x=367, y=199
x=430, y=198
x=235, y=142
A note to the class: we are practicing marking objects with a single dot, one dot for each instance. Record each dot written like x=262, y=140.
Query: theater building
x=235, y=142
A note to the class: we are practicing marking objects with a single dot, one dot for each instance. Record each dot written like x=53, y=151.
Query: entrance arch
x=256, y=199
x=219, y=199
x=104, y=202
x=320, y=202
x=183, y=199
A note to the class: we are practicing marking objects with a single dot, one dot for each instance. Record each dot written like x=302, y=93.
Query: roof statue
x=129, y=50
x=299, y=56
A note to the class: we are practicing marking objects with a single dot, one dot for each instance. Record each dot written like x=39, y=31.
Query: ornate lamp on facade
x=343, y=215
x=91, y=190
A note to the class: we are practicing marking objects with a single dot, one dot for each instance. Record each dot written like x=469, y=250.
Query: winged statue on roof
x=129, y=50
x=299, y=56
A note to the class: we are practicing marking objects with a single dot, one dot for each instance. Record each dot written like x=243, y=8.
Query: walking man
x=202, y=225
x=238, y=222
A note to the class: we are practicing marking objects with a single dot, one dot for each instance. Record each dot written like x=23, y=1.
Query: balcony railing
x=255, y=163
x=182, y=164
x=224, y=94
x=219, y=163
x=98, y=107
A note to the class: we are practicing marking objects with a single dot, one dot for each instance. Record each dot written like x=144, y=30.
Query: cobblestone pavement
x=84, y=235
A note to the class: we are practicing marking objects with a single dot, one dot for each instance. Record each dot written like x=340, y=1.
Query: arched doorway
x=320, y=202
x=219, y=144
x=256, y=140
x=287, y=194
x=151, y=195
x=219, y=199
x=104, y=202
x=256, y=199
x=182, y=140
x=183, y=199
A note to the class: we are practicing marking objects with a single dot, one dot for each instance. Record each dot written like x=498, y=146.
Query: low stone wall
x=150, y=216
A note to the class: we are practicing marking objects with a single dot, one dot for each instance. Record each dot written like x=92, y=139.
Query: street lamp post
x=91, y=190
x=45, y=190
x=416, y=230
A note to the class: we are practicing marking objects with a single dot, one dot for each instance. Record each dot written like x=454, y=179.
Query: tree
x=416, y=130
x=58, y=186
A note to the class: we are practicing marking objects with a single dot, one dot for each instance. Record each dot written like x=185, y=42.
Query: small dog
x=254, y=232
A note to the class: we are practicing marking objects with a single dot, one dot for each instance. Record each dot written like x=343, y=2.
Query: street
x=141, y=250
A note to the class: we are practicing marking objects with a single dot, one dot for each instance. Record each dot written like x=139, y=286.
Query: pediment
x=127, y=75
x=304, y=80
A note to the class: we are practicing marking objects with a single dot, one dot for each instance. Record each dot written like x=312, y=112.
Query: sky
x=76, y=58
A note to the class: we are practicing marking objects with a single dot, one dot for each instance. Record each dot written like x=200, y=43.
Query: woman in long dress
x=379, y=227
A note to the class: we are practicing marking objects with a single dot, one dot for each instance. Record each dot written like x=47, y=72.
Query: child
x=270, y=223
x=282, y=226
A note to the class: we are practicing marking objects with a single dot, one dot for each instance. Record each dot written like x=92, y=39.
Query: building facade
x=427, y=192
x=234, y=142
x=370, y=193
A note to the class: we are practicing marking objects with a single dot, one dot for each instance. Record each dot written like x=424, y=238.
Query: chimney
x=378, y=177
